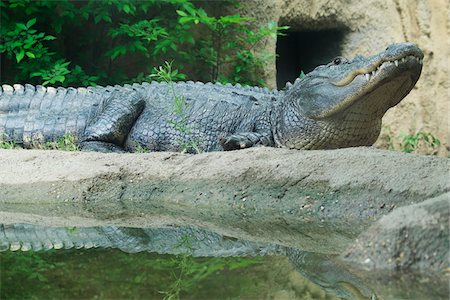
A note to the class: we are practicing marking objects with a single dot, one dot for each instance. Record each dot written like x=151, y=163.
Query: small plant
x=8, y=145
x=419, y=141
x=302, y=75
x=138, y=148
x=71, y=230
x=165, y=73
x=56, y=73
x=178, y=109
x=66, y=143
x=188, y=271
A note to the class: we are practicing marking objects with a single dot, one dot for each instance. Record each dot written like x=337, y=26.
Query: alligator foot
x=100, y=147
x=244, y=140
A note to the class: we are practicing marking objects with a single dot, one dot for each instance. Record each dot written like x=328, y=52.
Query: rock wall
x=368, y=27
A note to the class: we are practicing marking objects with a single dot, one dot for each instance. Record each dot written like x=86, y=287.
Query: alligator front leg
x=245, y=140
x=109, y=129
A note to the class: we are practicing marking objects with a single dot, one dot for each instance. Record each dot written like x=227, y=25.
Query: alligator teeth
x=373, y=73
x=421, y=61
x=367, y=76
x=403, y=59
x=396, y=63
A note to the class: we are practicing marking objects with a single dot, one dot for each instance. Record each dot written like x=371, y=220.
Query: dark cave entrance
x=304, y=50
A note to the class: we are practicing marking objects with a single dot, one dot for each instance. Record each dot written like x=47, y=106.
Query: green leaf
x=191, y=10
x=181, y=13
x=21, y=26
x=59, y=78
x=97, y=18
x=49, y=38
x=30, y=54
x=126, y=8
x=31, y=22
x=184, y=20
x=34, y=74
x=107, y=19
x=119, y=50
x=65, y=64
x=20, y=55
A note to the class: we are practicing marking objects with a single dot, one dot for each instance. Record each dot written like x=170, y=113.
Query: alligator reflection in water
x=324, y=271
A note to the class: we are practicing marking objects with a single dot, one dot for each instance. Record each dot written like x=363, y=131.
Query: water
x=118, y=265
x=113, y=274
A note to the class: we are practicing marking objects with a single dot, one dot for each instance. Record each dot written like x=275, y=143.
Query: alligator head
x=342, y=103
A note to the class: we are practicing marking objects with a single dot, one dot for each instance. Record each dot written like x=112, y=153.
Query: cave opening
x=299, y=51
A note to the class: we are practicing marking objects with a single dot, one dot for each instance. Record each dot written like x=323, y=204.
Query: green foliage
x=413, y=142
x=108, y=274
x=8, y=145
x=231, y=44
x=28, y=268
x=138, y=148
x=166, y=73
x=419, y=142
x=23, y=40
x=56, y=74
x=187, y=272
x=116, y=41
x=302, y=75
x=66, y=143
x=71, y=230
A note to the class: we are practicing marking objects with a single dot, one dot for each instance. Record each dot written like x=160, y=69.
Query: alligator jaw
x=372, y=70
x=388, y=77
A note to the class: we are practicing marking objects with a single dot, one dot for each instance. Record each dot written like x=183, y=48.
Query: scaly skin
x=180, y=240
x=334, y=106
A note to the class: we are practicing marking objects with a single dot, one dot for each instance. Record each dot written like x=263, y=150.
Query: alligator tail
x=182, y=240
x=31, y=115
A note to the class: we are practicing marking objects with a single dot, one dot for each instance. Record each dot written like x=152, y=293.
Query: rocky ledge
x=380, y=209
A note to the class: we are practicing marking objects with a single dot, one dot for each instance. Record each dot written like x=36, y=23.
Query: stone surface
x=318, y=201
x=411, y=237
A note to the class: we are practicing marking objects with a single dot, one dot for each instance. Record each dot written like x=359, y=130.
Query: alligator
x=187, y=240
x=337, y=105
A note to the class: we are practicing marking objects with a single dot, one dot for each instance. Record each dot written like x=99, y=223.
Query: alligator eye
x=339, y=60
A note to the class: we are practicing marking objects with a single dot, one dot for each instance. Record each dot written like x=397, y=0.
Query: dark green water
x=112, y=274
x=122, y=263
